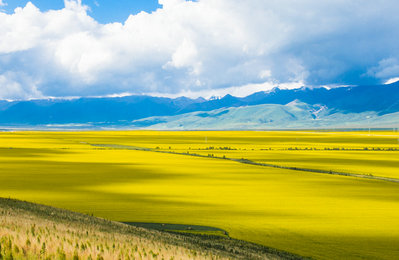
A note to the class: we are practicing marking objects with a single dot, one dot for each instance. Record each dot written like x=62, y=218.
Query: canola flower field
x=186, y=178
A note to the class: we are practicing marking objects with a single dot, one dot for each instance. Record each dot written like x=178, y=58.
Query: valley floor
x=225, y=180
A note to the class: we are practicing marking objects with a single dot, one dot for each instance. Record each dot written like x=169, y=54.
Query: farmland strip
x=246, y=161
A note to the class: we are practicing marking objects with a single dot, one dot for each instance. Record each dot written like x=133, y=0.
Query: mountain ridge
x=380, y=99
x=294, y=115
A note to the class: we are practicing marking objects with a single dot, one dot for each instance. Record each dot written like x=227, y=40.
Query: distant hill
x=294, y=115
x=85, y=110
x=117, y=112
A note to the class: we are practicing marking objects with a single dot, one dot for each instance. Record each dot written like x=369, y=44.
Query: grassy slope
x=36, y=231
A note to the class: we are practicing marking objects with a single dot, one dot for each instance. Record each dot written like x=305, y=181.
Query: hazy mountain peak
x=296, y=102
x=312, y=102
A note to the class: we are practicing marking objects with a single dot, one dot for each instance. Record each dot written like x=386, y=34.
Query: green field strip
x=246, y=161
x=182, y=228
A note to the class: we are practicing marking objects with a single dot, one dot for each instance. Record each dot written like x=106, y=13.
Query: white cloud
x=11, y=89
x=386, y=69
x=392, y=80
x=186, y=55
x=170, y=3
x=264, y=74
x=2, y=3
x=199, y=47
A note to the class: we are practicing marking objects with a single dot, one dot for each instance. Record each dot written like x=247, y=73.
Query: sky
x=103, y=11
x=76, y=48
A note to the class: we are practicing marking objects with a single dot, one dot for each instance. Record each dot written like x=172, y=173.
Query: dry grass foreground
x=32, y=231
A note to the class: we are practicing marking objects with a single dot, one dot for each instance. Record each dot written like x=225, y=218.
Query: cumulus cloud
x=14, y=87
x=387, y=68
x=198, y=47
x=2, y=3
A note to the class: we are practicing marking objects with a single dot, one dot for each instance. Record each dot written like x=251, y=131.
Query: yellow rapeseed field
x=312, y=214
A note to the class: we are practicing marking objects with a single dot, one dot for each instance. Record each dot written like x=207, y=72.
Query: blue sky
x=193, y=48
x=104, y=11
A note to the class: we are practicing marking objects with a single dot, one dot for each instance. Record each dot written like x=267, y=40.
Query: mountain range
x=354, y=106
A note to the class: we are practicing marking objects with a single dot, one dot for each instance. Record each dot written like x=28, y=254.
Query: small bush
x=61, y=254
x=75, y=256
x=43, y=249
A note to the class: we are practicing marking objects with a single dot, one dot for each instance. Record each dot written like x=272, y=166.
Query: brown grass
x=31, y=231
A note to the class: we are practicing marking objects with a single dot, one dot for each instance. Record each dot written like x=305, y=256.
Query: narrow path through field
x=246, y=161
